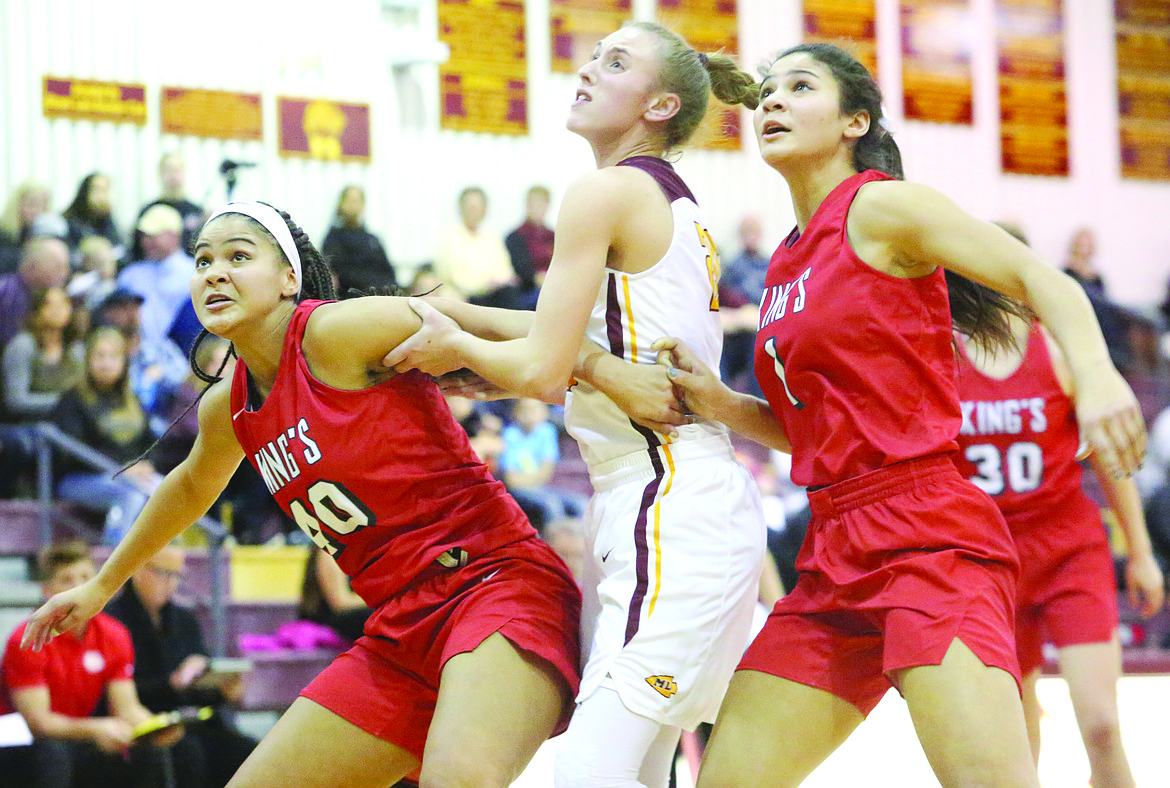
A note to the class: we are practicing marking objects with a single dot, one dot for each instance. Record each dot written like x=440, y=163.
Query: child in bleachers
x=528, y=461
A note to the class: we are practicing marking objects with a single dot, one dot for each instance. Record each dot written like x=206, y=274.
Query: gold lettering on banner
x=484, y=85
x=78, y=99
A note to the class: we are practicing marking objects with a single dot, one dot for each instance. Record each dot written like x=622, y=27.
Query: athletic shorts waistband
x=880, y=484
x=642, y=464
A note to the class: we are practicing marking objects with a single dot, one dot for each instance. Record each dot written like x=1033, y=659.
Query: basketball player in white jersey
x=675, y=527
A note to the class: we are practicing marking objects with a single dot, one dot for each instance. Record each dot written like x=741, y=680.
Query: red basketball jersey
x=1018, y=442
x=857, y=364
x=383, y=478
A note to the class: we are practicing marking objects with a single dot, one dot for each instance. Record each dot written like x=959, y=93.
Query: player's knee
x=1101, y=734
x=578, y=768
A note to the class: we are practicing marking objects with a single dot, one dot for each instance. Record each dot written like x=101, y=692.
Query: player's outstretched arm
x=184, y=495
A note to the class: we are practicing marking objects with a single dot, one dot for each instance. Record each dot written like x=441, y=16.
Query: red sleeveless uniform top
x=857, y=364
x=383, y=478
x=1019, y=438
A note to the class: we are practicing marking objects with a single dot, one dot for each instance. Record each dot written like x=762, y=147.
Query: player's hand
x=648, y=397
x=465, y=383
x=1110, y=422
x=112, y=735
x=68, y=611
x=1143, y=579
x=189, y=669
x=699, y=390
x=431, y=349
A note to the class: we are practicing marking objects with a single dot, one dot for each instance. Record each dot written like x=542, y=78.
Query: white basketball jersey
x=678, y=297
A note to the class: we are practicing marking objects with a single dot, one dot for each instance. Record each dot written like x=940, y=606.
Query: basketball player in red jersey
x=470, y=656
x=1018, y=443
x=907, y=573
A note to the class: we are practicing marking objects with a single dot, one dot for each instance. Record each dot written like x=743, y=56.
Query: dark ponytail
x=981, y=313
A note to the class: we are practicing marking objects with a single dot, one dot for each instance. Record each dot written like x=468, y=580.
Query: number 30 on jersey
x=1019, y=468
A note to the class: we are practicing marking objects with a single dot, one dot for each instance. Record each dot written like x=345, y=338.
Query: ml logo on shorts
x=663, y=685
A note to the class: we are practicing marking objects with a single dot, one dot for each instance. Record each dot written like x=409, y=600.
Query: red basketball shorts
x=388, y=683
x=1067, y=593
x=895, y=566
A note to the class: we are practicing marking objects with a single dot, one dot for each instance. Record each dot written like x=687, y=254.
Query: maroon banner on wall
x=88, y=99
x=211, y=113
x=710, y=26
x=324, y=129
x=1143, y=87
x=577, y=26
x=936, y=61
x=847, y=23
x=1033, y=108
x=484, y=85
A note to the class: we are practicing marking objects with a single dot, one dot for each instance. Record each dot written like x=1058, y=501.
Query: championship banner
x=1033, y=109
x=1143, y=87
x=577, y=26
x=86, y=99
x=484, y=84
x=211, y=113
x=936, y=61
x=323, y=129
x=847, y=23
x=710, y=26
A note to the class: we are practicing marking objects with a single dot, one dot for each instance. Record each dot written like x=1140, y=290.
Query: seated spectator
x=157, y=369
x=91, y=213
x=531, y=245
x=103, y=413
x=163, y=275
x=426, y=281
x=528, y=462
x=29, y=200
x=474, y=260
x=741, y=286
x=44, y=263
x=327, y=599
x=61, y=691
x=172, y=176
x=44, y=360
x=171, y=660
x=97, y=272
x=356, y=256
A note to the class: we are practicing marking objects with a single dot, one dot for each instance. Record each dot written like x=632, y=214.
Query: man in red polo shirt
x=59, y=689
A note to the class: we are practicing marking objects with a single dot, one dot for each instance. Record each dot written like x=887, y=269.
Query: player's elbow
x=546, y=380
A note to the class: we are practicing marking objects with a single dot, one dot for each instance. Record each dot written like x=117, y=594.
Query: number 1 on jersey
x=770, y=349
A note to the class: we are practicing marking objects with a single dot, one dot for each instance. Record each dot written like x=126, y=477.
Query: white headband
x=271, y=221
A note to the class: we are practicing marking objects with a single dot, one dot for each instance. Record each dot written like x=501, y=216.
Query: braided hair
x=316, y=282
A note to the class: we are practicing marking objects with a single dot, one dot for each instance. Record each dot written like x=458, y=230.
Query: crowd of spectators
x=96, y=323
